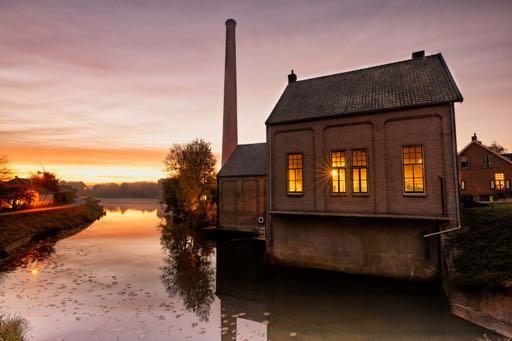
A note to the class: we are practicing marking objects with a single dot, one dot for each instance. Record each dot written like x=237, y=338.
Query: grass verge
x=13, y=328
x=482, y=250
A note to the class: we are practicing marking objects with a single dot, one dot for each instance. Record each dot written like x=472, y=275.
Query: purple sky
x=133, y=77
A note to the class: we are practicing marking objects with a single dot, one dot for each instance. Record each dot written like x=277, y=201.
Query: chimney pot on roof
x=292, y=78
x=474, y=138
x=230, y=22
x=418, y=55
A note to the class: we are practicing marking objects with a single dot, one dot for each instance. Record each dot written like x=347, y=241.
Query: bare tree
x=5, y=169
x=498, y=148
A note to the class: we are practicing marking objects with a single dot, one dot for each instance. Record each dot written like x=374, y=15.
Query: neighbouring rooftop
x=246, y=160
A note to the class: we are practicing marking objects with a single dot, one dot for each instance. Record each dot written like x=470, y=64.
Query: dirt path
x=78, y=202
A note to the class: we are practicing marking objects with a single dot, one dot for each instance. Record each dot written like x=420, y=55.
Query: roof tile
x=409, y=83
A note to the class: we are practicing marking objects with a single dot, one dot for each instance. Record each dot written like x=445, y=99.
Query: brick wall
x=241, y=202
x=382, y=135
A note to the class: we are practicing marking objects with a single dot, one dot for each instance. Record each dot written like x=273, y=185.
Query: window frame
x=294, y=193
x=467, y=162
x=499, y=184
x=490, y=161
x=424, y=177
x=352, y=168
x=344, y=168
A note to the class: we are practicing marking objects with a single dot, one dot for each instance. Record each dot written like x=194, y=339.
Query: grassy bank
x=13, y=328
x=482, y=250
x=480, y=268
x=16, y=230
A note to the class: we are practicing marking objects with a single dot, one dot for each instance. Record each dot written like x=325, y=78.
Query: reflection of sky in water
x=102, y=283
x=132, y=275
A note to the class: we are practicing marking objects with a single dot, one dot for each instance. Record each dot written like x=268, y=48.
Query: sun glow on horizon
x=95, y=173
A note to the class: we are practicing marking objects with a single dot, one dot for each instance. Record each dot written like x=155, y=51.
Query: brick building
x=241, y=189
x=483, y=173
x=360, y=167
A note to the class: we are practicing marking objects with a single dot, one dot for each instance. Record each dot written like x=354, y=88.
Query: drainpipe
x=456, y=176
x=455, y=160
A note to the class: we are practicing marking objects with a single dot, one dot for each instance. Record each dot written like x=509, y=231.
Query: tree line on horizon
x=140, y=189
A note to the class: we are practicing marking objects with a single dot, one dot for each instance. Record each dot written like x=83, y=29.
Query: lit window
x=359, y=171
x=507, y=184
x=294, y=173
x=463, y=185
x=338, y=165
x=412, y=162
x=499, y=181
x=487, y=161
x=464, y=162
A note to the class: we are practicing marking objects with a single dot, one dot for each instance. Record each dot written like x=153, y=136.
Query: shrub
x=482, y=251
x=13, y=328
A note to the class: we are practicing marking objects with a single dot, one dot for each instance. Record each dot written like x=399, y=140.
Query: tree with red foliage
x=18, y=196
x=46, y=180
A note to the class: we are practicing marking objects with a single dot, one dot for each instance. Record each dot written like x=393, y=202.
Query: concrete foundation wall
x=390, y=248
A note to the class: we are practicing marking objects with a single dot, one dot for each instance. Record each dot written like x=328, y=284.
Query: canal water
x=133, y=275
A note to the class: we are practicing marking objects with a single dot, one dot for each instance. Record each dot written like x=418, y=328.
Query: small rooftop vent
x=418, y=55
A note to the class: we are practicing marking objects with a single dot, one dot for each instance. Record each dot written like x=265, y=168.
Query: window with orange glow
x=499, y=181
x=338, y=173
x=360, y=171
x=295, y=173
x=412, y=164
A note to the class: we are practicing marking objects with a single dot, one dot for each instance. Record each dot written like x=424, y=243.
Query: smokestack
x=229, y=127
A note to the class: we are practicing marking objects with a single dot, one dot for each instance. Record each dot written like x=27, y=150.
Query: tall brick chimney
x=229, y=126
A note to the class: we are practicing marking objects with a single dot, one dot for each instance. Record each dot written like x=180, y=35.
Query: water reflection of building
x=325, y=306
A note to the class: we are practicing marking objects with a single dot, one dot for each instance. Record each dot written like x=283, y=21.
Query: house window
x=464, y=162
x=338, y=173
x=295, y=173
x=487, y=161
x=359, y=171
x=507, y=184
x=463, y=185
x=412, y=163
x=499, y=181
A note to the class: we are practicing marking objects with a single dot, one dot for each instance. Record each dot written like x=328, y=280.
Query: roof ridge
x=368, y=68
x=249, y=144
x=486, y=148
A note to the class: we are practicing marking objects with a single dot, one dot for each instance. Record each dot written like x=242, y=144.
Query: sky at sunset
x=98, y=90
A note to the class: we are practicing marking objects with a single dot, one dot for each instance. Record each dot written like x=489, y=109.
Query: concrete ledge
x=482, y=319
x=364, y=215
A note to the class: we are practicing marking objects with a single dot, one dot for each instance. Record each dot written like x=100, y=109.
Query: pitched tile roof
x=246, y=160
x=19, y=181
x=507, y=155
x=405, y=84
